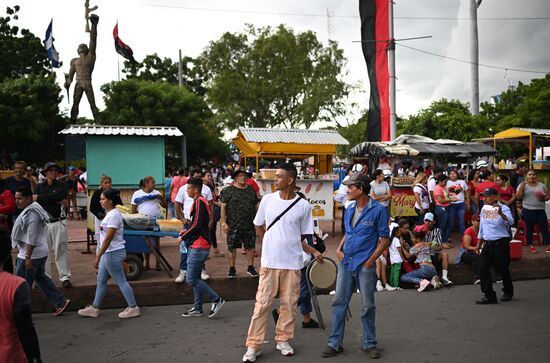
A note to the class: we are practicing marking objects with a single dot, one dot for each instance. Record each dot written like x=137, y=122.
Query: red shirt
x=480, y=188
x=7, y=205
x=253, y=184
x=506, y=194
x=177, y=182
x=470, y=232
x=11, y=349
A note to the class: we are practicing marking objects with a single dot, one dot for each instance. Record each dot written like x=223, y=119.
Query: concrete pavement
x=433, y=326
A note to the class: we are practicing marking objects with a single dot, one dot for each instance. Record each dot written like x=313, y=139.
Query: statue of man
x=83, y=66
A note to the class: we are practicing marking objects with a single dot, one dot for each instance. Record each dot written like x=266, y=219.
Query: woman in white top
x=459, y=189
x=148, y=201
x=110, y=255
x=380, y=189
x=421, y=196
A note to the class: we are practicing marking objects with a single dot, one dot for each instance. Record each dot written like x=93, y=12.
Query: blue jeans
x=195, y=262
x=346, y=284
x=37, y=274
x=443, y=220
x=425, y=272
x=456, y=214
x=110, y=264
x=532, y=217
x=304, y=300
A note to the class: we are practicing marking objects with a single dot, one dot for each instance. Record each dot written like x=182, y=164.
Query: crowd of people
x=482, y=208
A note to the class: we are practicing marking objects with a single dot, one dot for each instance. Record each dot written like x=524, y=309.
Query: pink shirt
x=439, y=190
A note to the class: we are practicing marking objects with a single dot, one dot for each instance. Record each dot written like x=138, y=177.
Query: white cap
x=357, y=168
x=386, y=173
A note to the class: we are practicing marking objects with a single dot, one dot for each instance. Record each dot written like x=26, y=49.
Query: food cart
x=414, y=148
x=318, y=146
x=533, y=139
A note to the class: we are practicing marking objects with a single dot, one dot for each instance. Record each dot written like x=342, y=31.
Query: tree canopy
x=29, y=96
x=149, y=103
x=269, y=77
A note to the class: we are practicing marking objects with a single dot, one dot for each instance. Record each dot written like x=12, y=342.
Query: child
x=396, y=255
x=427, y=273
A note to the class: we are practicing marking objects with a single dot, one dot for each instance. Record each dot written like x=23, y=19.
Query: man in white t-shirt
x=182, y=207
x=282, y=259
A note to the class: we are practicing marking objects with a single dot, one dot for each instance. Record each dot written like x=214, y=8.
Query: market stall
x=400, y=155
x=315, y=146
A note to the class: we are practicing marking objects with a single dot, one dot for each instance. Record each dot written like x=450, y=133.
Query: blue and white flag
x=53, y=56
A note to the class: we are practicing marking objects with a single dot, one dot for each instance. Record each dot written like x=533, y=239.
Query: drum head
x=322, y=275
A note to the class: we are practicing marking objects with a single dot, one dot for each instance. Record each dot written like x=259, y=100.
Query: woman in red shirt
x=442, y=204
x=469, y=243
x=506, y=192
x=7, y=207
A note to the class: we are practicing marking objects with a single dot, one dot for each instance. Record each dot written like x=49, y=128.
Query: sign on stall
x=402, y=203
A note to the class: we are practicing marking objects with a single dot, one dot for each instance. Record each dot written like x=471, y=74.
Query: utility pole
x=474, y=55
x=330, y=24
x=184, y=139
x=391, y=71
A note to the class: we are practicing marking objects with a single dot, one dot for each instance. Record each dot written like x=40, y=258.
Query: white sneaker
x=390, y=288
x=446, y=282
x=477, y=282
x=285, y=349
x=129, y=313
x=204, y=275
x=423, y=284
x=379, y=286
x=251, y=354
x=436, y=283
x=181, y=276
x=89, y=311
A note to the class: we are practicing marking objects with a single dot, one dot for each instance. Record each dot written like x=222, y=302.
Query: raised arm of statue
x=94, y=19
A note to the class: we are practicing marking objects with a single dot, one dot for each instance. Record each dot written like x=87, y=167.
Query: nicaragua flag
x=53, y=56
x=121, y=48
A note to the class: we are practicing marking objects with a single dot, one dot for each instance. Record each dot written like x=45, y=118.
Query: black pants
x=497, y=254
x=471, y=258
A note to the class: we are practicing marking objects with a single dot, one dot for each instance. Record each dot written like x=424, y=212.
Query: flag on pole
x=53, y=56
x=122, y=48
x=375, y=32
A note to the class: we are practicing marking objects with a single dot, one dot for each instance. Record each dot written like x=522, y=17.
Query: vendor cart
x=139, y=242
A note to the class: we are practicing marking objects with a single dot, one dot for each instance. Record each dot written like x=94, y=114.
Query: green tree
x=153, y=68
x=273, y=77
x=148, y=103
x=445, y=119
x=354, y=133
x=29, y=96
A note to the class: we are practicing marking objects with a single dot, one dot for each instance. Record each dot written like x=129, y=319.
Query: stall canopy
x=416, y=145
x=289, y=143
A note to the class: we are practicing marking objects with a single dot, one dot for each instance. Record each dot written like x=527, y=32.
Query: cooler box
x=516, y=249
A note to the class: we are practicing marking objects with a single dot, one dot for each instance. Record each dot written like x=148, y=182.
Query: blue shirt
x=361, y=240
x=492, y=226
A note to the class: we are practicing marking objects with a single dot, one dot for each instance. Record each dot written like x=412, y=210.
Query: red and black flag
x=374, y=40
x=121, y=47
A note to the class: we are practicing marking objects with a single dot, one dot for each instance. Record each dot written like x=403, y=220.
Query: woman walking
x=111, y=253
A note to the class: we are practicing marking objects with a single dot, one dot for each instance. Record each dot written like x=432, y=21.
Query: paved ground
x=433, y=326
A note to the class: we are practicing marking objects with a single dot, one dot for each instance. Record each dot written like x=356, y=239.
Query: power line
x=468, y=62
x=338, y=16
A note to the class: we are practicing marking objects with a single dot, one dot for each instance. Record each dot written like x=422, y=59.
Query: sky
x=164, y=26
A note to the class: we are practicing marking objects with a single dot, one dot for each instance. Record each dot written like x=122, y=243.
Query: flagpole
x=391, y=68
x=118, y=57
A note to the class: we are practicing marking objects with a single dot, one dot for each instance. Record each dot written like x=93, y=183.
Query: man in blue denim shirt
x=366, y=223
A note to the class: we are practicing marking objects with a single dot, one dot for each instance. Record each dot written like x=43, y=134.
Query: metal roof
x=121, y=130
x=293, y=136
x=535, y=131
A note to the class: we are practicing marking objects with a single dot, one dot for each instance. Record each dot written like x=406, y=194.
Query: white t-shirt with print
x=282, y=244
x=424, y=195
x=187, y=202
x=395, y=257
x=432, y=183
x=150, y=207
x=459, y=196
x=113, y=219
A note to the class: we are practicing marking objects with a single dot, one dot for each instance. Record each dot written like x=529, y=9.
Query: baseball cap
x=357, y=168
x=48, y=166
x=490, y=192
x=72, y=168
x=476, y=217
x=482, y=164
x=357, y=179
x=429, y=217
x=386, y=173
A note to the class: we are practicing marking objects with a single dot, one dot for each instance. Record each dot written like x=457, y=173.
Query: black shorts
x=237, y=238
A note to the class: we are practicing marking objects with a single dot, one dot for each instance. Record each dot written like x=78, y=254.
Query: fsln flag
x=53, y=56
x=121, y=47
x=375, y=33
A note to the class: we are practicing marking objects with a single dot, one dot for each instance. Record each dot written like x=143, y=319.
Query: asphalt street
x=432, y=326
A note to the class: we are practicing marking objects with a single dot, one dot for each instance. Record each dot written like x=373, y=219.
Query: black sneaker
x=485, y=301
x=251, y=271
x=506, y=298
x=331, y=352
x=232, y=273
x=216, y=306
x=191, y=313
x=66, y=284
x=311, y=324
x=372, y=353
x=275, y=315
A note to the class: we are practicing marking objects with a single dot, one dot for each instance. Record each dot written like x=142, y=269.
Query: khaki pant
x=273, y=281
x=59, y=241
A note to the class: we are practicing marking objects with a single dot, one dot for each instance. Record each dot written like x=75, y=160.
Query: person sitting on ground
x=469, y=244
x=111, y=253
x=440, y=258
x=426, y=274
x=18, y=339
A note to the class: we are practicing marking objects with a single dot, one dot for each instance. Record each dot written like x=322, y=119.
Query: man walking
x=239, y=203
x=51, y=195
x=30, y=236
x=494, y=247
x=282, y=221
x=366, y=224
